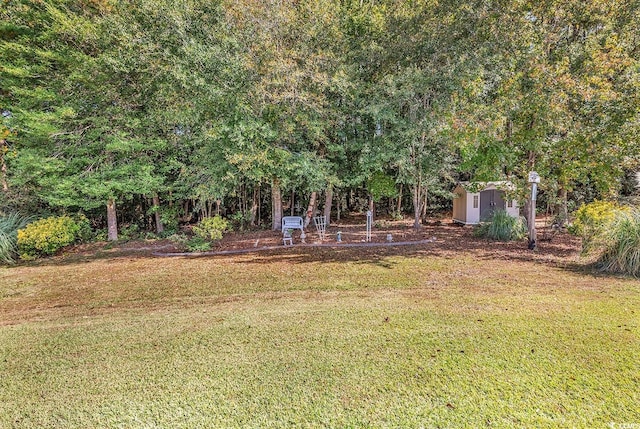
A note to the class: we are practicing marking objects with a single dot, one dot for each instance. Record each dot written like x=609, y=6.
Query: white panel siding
x=473, y=214
x=515, y=210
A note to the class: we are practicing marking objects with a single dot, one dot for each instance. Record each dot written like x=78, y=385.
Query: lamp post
x=534, y=179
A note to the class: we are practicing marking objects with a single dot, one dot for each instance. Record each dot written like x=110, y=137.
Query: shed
x=476, y=201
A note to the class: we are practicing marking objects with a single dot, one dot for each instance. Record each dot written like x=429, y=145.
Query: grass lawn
x=407, y=337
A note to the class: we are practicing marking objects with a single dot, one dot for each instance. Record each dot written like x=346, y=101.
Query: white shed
x=476, y=201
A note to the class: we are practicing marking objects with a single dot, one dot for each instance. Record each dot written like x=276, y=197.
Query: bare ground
x=441, y=237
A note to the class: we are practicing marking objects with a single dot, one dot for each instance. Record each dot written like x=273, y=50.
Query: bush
x=198, y=244
x=211, y=228
x=129, y=232
x=178, y=238
x=101, y=234
x=503, y=227
x=9, y=226
x=241, y=220
x=592, y=219
x=169, y=216
x=618, y=245
x=85, y=232
x=47, y=236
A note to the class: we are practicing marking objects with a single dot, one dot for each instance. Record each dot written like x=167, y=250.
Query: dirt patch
x=441, y=236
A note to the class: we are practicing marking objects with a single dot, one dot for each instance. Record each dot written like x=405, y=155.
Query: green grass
x=320, y=339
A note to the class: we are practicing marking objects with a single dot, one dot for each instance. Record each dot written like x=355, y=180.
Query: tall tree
x=553, y=84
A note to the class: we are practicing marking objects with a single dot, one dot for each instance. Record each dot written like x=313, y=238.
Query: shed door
x=490, y=201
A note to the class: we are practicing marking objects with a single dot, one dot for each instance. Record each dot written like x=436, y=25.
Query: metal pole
x=532, y=216
x=369, y=219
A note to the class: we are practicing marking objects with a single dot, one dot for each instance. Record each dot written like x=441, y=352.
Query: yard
x=458, y=332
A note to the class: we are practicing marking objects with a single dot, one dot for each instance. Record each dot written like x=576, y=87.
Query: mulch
x=440, y=236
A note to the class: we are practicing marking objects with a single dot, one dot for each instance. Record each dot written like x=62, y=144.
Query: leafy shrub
x=47, y=236
x=381, y=224
x=240, y=220
x=178, y=238
x=593, y=219
x=85, y=232
x=618, y=245
x=503, y=227
x=101, y=234
x=382, y=185
x=9, y=226
x=198, y=244
x=397, y=215
x=211, y=228
x=169, y=216
x=129, y=232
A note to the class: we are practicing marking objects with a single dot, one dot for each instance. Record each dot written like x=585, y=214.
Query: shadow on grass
x=451, y=242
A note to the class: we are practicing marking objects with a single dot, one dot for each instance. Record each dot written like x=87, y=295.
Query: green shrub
x=618, y=245
x=240, y=220
x=169, y=216
x=129, y=232
x=9, y=226
x=211, y=228
x=47, y=236
x=101, y=234
x=85, y=232
x=198, y=244
x=503, y=227
x=178, y=238
x=592, y=219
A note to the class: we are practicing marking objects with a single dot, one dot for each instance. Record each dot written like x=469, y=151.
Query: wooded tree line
x=180, y=108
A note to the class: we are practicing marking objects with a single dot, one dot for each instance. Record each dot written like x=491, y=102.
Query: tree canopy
x=189, y=107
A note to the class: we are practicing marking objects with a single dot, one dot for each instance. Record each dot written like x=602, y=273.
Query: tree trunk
x=156, y=212
x=562, y=209
x=399, y=206
x=254, y=204
x=186, y=214
x=310, y=209
x=243, y=202
x=112, y=221
x=338, y=205
x=259, y=205
x=293, y=199
x=328, y=199
x=350, y=200
x=424, y=207
x=276, y=205
x=417, y=206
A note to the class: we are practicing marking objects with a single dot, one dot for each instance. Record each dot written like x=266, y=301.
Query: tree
x=293, y=74
x=552, y=85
